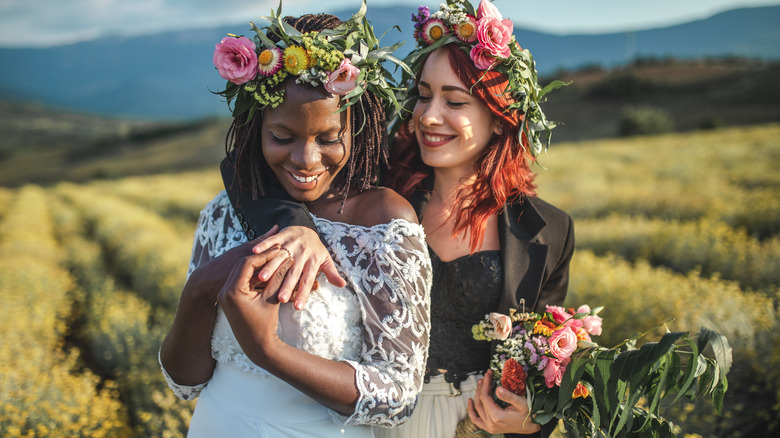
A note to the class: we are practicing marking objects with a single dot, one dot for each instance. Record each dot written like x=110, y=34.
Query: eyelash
x=280, y=140
x=289, y=140
x=426, y=99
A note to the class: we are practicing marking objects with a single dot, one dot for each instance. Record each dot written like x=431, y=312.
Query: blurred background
x=110, y=138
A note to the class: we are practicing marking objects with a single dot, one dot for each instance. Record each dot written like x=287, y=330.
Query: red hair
x=502, y=170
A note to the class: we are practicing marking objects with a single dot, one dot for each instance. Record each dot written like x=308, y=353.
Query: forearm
x=186, y=350
x=329, y=382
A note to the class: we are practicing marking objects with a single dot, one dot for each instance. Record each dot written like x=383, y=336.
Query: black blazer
x=536, y=238
x=537, y=242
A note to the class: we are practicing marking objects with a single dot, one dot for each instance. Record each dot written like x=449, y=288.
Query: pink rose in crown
x=236, y=60
x=481, y=56
x=502, y=325
x=553, y=372
x=495, y=34
x=488, y=10
x=344, y=79
x=591, y=323
x=563, y=342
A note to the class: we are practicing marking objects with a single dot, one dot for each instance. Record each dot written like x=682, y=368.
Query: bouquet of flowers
x=600, y=392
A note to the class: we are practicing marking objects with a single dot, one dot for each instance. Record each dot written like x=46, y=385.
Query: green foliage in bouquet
x=598, y=391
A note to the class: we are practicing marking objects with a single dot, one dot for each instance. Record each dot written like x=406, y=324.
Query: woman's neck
x=448, y=182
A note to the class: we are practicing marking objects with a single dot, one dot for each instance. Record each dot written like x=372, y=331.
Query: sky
x=41, y=23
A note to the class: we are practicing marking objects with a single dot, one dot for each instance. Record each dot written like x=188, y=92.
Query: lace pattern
x=181, y=391
x=379, y=323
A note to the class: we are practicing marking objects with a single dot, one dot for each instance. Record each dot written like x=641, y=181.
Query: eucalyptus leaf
x=720, y=347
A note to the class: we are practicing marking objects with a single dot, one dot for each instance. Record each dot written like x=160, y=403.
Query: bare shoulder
x=379, y=205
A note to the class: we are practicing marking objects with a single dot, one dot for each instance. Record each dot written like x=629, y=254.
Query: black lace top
x=464, y=290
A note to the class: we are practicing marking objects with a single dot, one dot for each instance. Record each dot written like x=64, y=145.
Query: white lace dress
x=378, y=324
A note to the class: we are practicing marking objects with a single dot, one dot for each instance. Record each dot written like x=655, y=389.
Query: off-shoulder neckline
x=401, y=221
x=223, y=199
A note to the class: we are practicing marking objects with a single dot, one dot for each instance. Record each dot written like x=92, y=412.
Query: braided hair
x=369, y=143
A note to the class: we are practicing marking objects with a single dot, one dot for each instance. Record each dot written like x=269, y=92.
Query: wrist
x=199, y=291
x=269, y=353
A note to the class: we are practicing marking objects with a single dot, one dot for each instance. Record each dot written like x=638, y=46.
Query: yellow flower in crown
x=296, y=60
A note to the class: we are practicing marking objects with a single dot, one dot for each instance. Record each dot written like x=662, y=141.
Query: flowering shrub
x=44, y=388
x=552, y=359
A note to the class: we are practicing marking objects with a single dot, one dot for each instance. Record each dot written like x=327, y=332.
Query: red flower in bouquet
x=513, y=377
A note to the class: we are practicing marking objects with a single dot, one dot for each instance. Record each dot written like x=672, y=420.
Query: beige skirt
x=438, y=411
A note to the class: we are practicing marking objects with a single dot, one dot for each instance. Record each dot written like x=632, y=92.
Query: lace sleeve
x=389, y=267
x=217, y=232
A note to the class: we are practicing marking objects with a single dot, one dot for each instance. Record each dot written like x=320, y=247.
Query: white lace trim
x=379, y=323
x=181, y=391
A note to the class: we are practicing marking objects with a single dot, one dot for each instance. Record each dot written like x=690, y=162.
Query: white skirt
x=237, y=404
x=438, y=410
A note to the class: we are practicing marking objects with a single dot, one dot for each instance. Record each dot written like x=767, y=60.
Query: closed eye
x=330, y=142
x=281, y=140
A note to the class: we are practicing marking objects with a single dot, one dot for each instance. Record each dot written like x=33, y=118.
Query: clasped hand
x=309, y=258
x=492, y=418
x=250, y=304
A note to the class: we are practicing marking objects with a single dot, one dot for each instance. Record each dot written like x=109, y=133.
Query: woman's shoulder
x=218, y=209
x=547, y=210
x=219, y=201
x=378, y=205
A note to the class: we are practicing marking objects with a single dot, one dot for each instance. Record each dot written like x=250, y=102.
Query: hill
x=44, y=146
x=693, y=95
x=168, y=76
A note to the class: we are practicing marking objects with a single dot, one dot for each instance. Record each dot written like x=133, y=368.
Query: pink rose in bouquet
x=563, y=342
x=236, y=60
x=553, y=372
x=344, y=79
x=502, y=325
x=591, y=323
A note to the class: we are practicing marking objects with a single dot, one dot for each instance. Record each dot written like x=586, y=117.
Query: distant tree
x=645, y=120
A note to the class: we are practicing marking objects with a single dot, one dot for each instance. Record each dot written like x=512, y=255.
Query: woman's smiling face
x=452, y=126
x=306, y=141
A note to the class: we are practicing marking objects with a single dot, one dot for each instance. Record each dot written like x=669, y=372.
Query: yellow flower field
x=682, y=226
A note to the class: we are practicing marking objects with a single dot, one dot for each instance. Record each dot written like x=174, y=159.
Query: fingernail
x=264, y=276
x=500, y=391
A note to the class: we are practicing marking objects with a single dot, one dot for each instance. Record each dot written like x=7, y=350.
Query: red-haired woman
x=463, y=160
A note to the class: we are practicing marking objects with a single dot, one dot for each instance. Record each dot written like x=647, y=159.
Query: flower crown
x=488, y=38
x=346, y=60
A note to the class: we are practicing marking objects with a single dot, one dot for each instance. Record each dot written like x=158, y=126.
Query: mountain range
x=169, y=75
